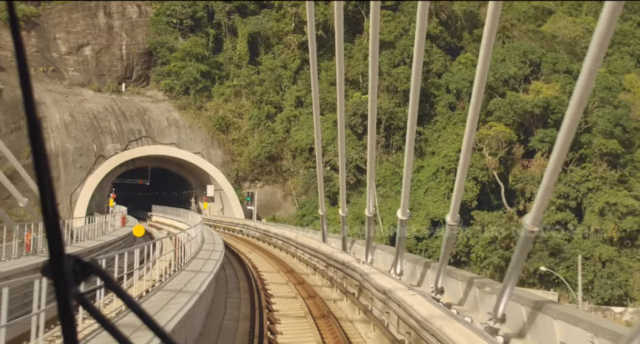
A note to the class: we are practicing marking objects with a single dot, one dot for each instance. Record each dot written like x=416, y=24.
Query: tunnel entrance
x=139, y=188
x=184, y=172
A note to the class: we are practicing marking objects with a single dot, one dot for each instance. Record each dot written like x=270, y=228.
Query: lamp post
x=546, y=269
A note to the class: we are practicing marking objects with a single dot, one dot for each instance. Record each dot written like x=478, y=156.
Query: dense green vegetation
x=26, y=13
x=242, y=70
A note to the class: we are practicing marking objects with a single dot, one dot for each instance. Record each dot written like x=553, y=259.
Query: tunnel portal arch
x=229, y=198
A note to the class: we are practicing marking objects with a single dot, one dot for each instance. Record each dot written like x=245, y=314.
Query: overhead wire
x=61, y=273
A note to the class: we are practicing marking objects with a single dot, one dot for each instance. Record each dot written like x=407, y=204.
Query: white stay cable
x=532, y=221
x=317, y=125
x=339, y=27
x=370, y=210
x=412, y=119
x=477, y=95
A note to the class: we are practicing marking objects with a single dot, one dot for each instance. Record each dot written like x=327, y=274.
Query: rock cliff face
x=73, y=47
x=98, y=44
x=86, y=44
x=83, y=128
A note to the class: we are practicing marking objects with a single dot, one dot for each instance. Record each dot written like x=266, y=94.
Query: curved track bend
x=299, y=313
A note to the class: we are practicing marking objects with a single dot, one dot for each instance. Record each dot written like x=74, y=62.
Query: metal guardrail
x=546, y=322
x=29, y=239
x=139, y=269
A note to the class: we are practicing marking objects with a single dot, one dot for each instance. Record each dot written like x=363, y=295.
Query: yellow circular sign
x=138, y=230
x=111, y=202
x=205, y=205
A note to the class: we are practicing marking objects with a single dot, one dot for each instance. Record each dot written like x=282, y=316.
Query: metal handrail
x=154, y=263
x=29, y=239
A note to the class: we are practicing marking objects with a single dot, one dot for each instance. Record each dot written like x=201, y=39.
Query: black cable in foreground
x=66, y=271
x=61, y=275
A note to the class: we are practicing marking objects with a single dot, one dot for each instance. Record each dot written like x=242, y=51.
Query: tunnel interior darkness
x=139, y=188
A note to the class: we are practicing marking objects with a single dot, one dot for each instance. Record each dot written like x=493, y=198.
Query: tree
x=496, y=142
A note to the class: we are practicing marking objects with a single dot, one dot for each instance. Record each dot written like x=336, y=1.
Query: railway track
x=296, y=313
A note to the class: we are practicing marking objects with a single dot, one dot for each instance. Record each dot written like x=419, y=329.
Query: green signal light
x=248, y=198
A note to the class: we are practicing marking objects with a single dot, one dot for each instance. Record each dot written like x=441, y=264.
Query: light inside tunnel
x=138, y=189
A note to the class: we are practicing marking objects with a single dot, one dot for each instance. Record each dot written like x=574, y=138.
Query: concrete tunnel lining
x=229, y=198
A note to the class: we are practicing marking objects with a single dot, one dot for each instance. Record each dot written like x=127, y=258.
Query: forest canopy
x=241, y=69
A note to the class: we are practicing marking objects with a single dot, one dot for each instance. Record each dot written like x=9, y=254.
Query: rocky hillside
x=89, y=44
x=74, y=50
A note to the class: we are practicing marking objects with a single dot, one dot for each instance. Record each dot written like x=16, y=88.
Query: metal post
x=136, y=263
x=14, y=242
x=254, y=213
x=317, y=125
x=144, y=269
x=34, y=310
x=4, y=310
x=124, y=270
x=8, y=222
x=74, y=234
x=370, y=210
x=33, y=239
x=40, y=231
x=180, y=252
x=97, y=291
x=80, y=309
x=579, y=281
x=342, y=157
x=532, y=221
x=43, y=309
x=115, y=267
x=104, y=265
x=477, y=95
x=414, y=99
x=23, y=237
x=154, y=265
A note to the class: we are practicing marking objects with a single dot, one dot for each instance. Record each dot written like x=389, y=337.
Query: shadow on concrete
x=467, y=290
x=426, y=265
x=535, y=309
x=351, y=244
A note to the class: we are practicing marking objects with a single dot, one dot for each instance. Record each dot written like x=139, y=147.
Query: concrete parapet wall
x=180, y=306
x=394, y=306
x=530, y=318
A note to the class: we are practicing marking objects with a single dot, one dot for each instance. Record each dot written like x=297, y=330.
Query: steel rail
x=324, y=319
x=260, y=299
